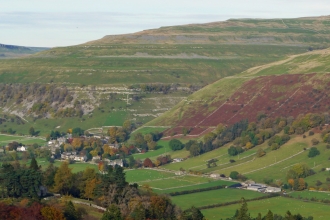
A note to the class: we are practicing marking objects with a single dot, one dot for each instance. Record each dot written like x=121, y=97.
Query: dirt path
x=89, y=204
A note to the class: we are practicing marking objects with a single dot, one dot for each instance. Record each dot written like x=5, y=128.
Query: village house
x=118, y=162
x=68, y=155
x=80, y=158
x=115, y=146
x=21, y=149
x=96, y=159
x=175, y=160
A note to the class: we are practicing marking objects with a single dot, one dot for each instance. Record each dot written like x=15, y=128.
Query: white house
x=96, y=158
x=80, y=158
x=177, y=160
x=21, y=149
x=118, y=162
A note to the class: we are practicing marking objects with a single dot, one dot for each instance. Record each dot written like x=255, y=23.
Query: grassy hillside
x=277, y=89
x=184, y=57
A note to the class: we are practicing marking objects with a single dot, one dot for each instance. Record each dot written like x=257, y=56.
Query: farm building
x=215, y=175
x=248, y=183
x=273, y=190
x=257, y=187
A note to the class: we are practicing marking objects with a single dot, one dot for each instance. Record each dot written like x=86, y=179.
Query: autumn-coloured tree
x=301, y=184
x=248, y=145
x=157, y=163
x=63, y=179
x=161, y=207
x=101, y=166
x=76, y=143
x=291, y=182
x=148, y=163
x=89, y=189
x=51, y=213
x=152, y=145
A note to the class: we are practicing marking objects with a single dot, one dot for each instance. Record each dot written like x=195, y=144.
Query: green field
x=5, y=139
x=310, y=194
x=278, y=205
x=140, y=175
x=213, y=197
x=196, y=186
x=176, y=182
x=147, y=130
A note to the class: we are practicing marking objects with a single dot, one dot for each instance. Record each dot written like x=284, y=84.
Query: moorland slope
x=297, y=85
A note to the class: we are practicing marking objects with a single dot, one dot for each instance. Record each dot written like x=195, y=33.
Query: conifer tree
x=34, y=164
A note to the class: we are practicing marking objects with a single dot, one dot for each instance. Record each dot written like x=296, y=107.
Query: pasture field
x=5, y=139
x=197, y=186
x=310, y=194
x=177, y=182
x=163, y=149
x=213, y=197
x=145, y=175
x=116, y=118
x=147, y=130
x=278, y=171
x=278, y=205
x=198, y=163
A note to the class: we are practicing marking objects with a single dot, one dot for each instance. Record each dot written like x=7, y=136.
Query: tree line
x=109, y=189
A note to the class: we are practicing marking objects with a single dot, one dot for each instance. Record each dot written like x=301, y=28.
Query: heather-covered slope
x=282, y=88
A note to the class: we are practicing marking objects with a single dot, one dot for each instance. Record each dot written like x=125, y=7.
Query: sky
x=51, y=23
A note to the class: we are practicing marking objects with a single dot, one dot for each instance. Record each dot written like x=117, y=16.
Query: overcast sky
x=68, y=22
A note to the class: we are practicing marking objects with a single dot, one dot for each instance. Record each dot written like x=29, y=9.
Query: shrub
x=274, y=146
x=313, y=152
x=175, y=144
x=304, y=136
x=318, y=183
x=234, y=175
x=310, y=133
x=232, y=161
x=315, y=141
